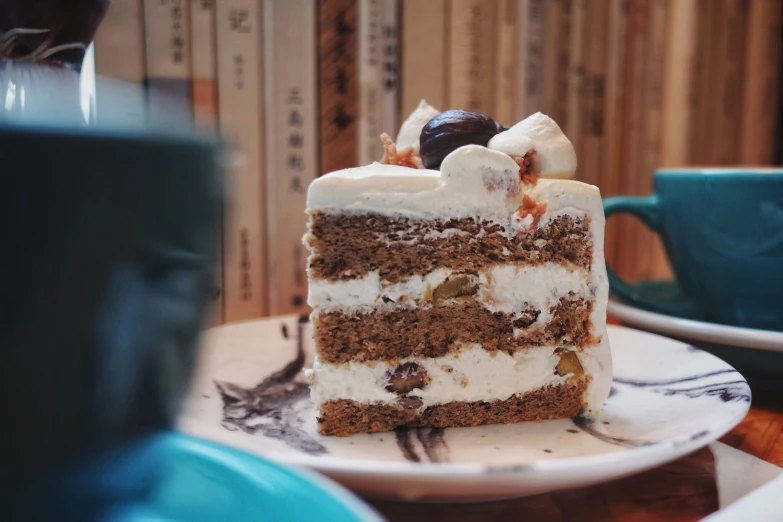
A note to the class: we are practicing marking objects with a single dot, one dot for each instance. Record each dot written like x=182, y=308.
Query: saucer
x=204, y=481
x=668, y=399
x=693, y=330
x=756, y=353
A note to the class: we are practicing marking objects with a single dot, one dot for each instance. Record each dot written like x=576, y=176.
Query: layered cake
x=459, y=282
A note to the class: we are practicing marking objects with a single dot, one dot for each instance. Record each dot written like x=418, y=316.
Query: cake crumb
x=531, y=207
x=407, y=157
x=526, y=172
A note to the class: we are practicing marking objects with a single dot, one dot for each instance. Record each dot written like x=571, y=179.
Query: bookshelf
x=636, y=85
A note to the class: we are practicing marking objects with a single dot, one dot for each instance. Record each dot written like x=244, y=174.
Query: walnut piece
x=569, y=363
x=526, y=172
x=406, y=377
x=455, y=287
x=531, y=207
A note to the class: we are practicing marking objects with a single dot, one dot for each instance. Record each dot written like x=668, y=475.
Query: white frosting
x=470, y=183
x=555, y=156
x=597, y=362
x=410, y=130
x=511, y=289
x=503, y=288
x=366, y=293
x=476, y=375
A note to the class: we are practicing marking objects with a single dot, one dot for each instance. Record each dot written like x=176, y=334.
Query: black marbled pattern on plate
x=276, y=407
x=727, y=391
x=431, y=440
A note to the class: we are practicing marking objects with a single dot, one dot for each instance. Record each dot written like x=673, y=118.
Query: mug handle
x=648, y=210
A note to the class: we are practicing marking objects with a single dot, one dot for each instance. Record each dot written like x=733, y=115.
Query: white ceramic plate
x=696, y=330
x=668, y=399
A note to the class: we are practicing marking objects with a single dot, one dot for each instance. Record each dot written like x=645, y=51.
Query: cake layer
x=501, y=288
x=345, y=417
x=439, y=330
x=349, y=245
x=469, y=373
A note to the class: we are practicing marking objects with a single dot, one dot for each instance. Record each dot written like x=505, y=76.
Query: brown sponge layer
x=436, y=331
x=348, y=245
x=345, y=417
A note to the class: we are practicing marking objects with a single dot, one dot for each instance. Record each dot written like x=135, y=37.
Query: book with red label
x=204, y=95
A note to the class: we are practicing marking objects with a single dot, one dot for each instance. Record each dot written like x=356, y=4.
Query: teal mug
x=723, y=233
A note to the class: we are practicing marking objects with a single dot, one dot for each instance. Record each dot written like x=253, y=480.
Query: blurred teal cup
x=723, y=233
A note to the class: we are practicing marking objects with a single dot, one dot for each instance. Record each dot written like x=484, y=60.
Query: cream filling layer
x=509, y=289
x=469, y=374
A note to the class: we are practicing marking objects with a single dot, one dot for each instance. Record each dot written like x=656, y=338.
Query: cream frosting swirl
x=555, y=155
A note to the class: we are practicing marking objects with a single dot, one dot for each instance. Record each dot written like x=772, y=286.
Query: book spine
x=473, y=56
x=423, y=53
x=574, y=72
x=291, y=150
x=530, y=23
x=627, y=256
x=557, y=23
x=593, y=85
x=204, y=96
x=762, y=78
x=505, y=80
x=240, y=113
x=119, y=55
x=652, y=262
x=679, y=79
x=708, y=41
x=338, y=84
x=614, y=99
x=389, y=102
x=732, y=29
x=167, y=34
x=203, y=46
x=534, y=87
x=370, y=148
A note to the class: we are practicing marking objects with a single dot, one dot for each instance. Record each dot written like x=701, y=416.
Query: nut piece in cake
x=406, y=377
x=455, y=287
x=569, y=363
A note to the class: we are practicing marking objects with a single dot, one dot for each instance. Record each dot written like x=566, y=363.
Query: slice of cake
x=469, y=291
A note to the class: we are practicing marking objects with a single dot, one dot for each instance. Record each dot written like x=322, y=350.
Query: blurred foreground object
x=109, y=258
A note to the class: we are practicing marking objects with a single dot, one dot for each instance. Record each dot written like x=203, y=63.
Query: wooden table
x=681, y=491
